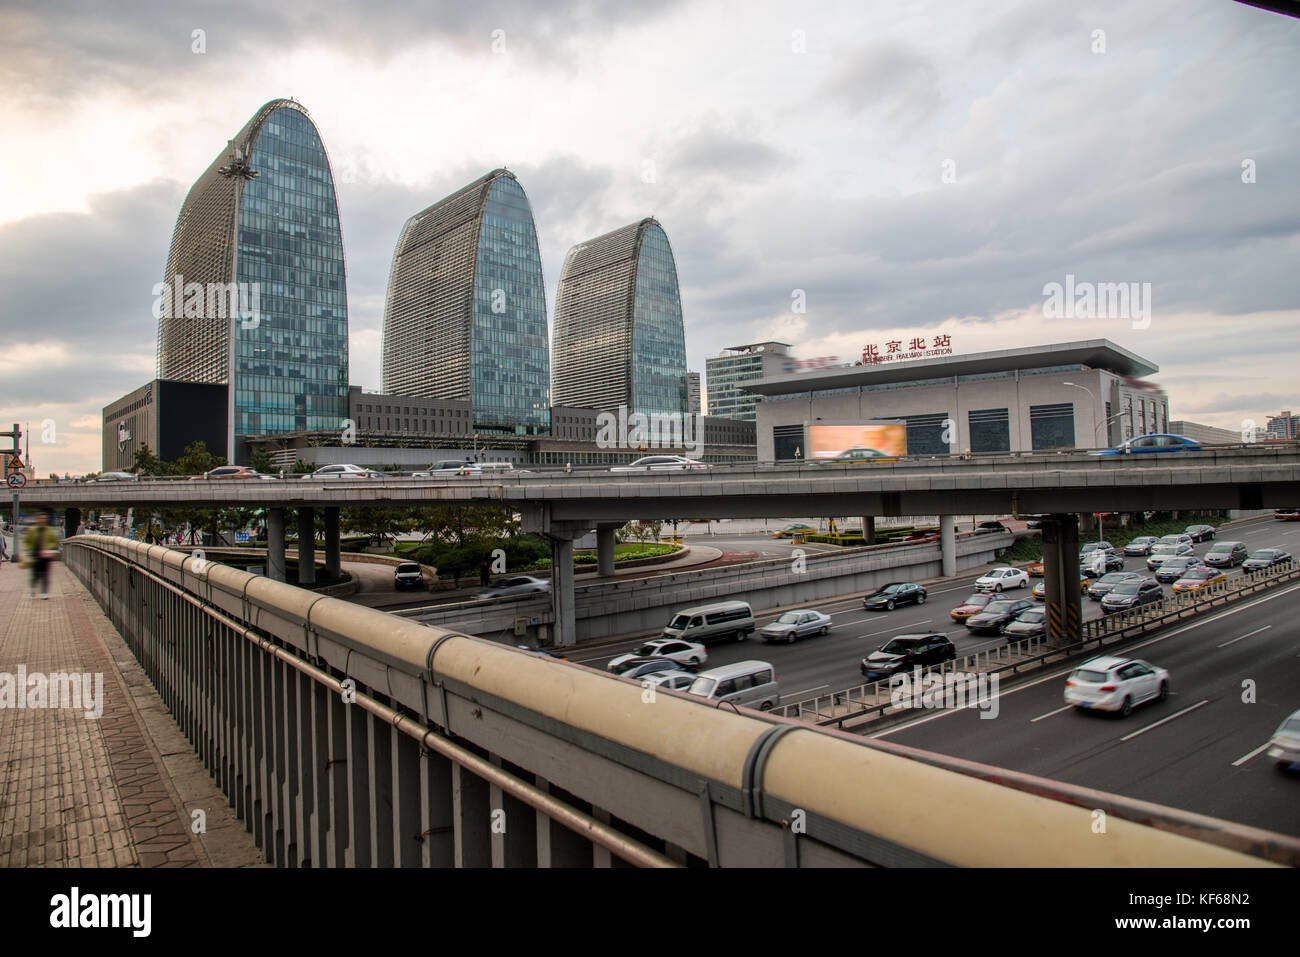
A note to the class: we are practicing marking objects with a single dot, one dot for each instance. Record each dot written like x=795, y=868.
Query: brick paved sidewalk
x=114, y=791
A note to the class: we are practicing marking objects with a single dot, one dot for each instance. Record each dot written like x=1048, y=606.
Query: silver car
x=518, y=585
x=343, y=472
x=796, y=624
x=1284, y=748
x=661, y=463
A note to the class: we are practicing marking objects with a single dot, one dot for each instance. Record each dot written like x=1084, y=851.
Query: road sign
x=15, y=463
x=17, y=480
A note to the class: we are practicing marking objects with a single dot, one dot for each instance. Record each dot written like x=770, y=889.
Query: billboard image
x=862, y=442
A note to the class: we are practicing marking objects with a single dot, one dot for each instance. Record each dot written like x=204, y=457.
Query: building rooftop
x=1097, y=353
x=779, y=348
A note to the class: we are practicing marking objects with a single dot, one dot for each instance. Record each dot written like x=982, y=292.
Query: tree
x=260, y=461
x=146, y=463
x=196, y=459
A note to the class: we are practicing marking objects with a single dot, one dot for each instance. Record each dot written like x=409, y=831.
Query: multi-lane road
x=1205, y=756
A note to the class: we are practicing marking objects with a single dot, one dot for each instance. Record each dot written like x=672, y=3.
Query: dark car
x=1226, y=554
x=894, y=594
x=1028, y=624
x=983, y=527
x=408, y=575
x=1126, y=595
x=1200, y=533
x=635, y=667
x=1163, y=442
x=1102, y=586
x=1140, y=545
x=1172, y=569
x=905, y=652
x=997, y=615
x=1266, y=558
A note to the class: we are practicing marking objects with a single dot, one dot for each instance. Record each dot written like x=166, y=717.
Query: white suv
x=1002, y=578
x=686, y=653
x=1115, y=684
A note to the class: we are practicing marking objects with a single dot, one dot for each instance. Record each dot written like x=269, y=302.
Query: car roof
x=707, y=609
x=739, y=668
x=1106, y=663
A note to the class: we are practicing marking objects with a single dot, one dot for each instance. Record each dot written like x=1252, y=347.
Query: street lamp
x=1096, y=428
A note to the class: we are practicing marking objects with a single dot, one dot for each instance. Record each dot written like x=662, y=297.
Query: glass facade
x=990, y=430
x=925, y=433
x=1052, y=426
x=291, y=368
x=510, y=356
x=788, y=443
x=658, y=334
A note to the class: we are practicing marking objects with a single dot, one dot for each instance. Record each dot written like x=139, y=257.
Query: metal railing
x=346, y=737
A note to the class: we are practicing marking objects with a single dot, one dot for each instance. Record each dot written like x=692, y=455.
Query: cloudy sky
x=912, y=167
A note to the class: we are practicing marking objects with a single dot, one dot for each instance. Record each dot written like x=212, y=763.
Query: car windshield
x=1164, y=548
x=1125, y=588
x=1291, y=725
x=1033, y=617
x=1113, y=578
x=981, y=599
x=789, y=618
x=680, y=622
x=900, y=646
x=1200, y=573
x=998, y=607
x=703, y=686
x=1172, y=539
x=408, y=567
x=646, y=651
x=889, y=590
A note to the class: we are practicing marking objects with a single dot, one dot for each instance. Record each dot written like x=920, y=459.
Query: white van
x=719, y=622
x=496, y=467
x=750, y=684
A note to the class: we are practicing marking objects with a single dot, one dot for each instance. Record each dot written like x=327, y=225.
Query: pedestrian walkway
x=103, y=777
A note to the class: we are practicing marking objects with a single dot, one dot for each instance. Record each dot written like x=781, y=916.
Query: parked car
x=686, y=654
x=746, y=683
x=516, y=585
x=661, y=463
x=1197, y=578
x=1162, y=551
x=226, y=472
x=344, y=472
x=1040, y=590
x=973, y=605
x=1132, y=594
x=1172, y=569
x=1140, y=545
x=1001, y=579
x=904, y=652
x=408, y=575
x=1163, y=442
x=1226, y=554
x=635, y=667
x=1115, y=684
x=1200, y=533
x=1027, y=624
x=1284, y=746
x=1266, y=558
x=449, y=468
x=721, y=621
x=790, y=531
x=1102, y=586
x=796, y=624
x=997, y=615
x=890, y=596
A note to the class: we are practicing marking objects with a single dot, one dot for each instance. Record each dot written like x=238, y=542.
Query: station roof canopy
x=1096, y=353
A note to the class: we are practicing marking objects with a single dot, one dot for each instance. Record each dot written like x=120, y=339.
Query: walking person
x=42, y=546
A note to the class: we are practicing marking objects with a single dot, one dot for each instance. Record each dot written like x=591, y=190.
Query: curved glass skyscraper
x=465, y=316
x=260, y=231
x=619, y=337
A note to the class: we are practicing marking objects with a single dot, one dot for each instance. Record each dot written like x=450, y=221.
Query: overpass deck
x=76, y=790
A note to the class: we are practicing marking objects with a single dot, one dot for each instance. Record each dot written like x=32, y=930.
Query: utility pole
x=15, y=479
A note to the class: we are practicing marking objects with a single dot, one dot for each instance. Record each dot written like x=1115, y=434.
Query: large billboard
x=857, y=442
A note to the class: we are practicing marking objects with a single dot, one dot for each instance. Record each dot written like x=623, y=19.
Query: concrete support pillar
x=948, y=544
x=1061, y=579
x=71, y=521
x=306, y=546
x=868, y=530
x=562, y=596
x=605, y=548
x=333, y=566
x=275, y=544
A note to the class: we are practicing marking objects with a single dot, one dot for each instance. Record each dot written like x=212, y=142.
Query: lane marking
x=806, y=690
x=1101, y=651
x=1050, y=713
x=1157, y=724
x=1247, y=635
x=1246, y=757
